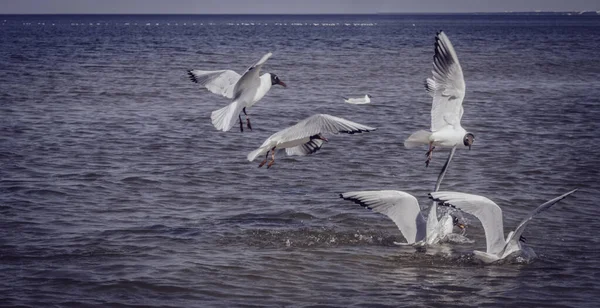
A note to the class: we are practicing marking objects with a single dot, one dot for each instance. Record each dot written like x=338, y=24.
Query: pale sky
x=287, y=6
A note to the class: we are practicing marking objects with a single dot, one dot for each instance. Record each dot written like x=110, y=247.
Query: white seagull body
x=448, y=90
x=358, y=101
x=306, y=137
x=490, y=215
x=244, y=91
x=403, y=209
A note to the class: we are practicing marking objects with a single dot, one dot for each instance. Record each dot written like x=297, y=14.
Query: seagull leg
x=247, y=119
x=429, y=154
x=241, y=123
x=262, y=163
x=272, y=158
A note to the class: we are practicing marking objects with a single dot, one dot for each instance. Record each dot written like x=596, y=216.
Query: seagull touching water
x=306, y=137
x=245, y=91
x=490, y=215
x=403, y=209
x=448, y=90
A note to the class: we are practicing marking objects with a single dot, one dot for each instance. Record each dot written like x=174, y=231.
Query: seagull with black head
x=447, y=87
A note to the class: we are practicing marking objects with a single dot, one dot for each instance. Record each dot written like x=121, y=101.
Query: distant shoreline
x=543, y=13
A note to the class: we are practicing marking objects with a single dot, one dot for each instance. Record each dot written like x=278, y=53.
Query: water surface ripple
x=115, y=190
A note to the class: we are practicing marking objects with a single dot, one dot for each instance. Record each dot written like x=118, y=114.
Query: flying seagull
x=448, y=90
x=244, y=91
x=490, y=215
x=306, y=137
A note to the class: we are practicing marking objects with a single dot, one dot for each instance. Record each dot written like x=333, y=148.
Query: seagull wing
x=218, y=82
x=314, y=125
x=319, y=124
x=521, y=227
x=310, y=147
x=488, y=212
x=401, y=207
x=448, y=85
x=250, y=79
x=430, y=87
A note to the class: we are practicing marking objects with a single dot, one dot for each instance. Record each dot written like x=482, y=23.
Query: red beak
x=282, y=84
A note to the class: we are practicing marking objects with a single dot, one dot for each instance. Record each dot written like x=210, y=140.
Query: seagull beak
x=323, y=138
x=281, y=83
x=461, y=226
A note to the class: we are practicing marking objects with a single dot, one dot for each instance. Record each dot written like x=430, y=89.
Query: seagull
x=490, y=215
x=403, y=208
x=244, y=91
x=306, y=137
x=358, y=101
x=448, y=91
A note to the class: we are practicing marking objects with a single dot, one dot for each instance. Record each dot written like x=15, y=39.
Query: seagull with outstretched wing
x=447, y=87
x=490, y=215
x=404, y=210
x=244, y=91
x=306, y=137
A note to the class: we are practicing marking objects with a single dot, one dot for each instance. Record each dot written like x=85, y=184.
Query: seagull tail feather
x=224, y=118
x=417, y=139
x=260, y=151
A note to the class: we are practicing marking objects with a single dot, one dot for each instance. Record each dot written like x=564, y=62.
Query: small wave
x=138, y=180
x=45, y=192
x=19, y=57
x=283, y=217
x=307, y=237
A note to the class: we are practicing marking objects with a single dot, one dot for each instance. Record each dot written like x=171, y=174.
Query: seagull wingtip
x=192, y=76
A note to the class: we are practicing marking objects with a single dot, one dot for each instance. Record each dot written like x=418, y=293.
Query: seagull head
x=455, y=222
x=369, y=96
x=275, y=80
x=319, y=136
x=468, y=140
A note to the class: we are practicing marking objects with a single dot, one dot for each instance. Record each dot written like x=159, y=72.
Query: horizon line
x=316, y=14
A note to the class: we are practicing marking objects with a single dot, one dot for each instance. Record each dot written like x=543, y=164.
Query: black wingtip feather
x=441, y=202
x=356, y=201
x=312, y=146
x=428, y=88
x=352, y=132
x=442, y=59
x=192, y=77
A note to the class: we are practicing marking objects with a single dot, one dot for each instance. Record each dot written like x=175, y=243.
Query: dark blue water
x=115, y=189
